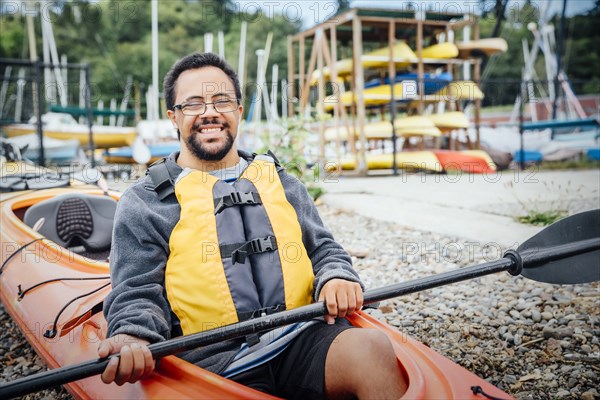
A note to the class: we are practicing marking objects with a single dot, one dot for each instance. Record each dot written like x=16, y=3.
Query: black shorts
x=298, y=372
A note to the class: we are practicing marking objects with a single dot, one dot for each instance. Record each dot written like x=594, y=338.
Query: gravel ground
x=530, y=339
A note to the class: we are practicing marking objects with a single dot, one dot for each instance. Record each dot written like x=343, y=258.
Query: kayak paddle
x=566, y=252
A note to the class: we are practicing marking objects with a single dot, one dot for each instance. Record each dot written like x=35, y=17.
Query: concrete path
x=480, y=208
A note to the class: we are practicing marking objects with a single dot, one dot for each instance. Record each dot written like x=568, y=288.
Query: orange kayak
x=81, y=326
x=466, y=161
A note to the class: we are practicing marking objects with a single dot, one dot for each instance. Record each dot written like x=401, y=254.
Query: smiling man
x=213, y=236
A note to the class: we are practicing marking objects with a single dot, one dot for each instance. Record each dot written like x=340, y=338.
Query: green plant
x=541, y=218
x=583, y=163
x=287, y=140
x=541, y=211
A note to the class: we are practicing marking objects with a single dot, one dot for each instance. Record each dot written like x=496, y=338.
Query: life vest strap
x=239, y=251
x=236, y=199
x=163, y=183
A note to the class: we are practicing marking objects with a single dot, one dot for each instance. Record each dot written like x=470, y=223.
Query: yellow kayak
x=406, y=126
x=410, y=160
x=373, y=96
x=440, y=50
x=482, y=47
x=403, y=57
x=449, y=120
x=457, y=90
x=104, y=136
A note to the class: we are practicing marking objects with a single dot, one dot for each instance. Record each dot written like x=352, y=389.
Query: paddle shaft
x=512, y=262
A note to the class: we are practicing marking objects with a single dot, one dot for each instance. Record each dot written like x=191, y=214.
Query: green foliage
x=115, y=38
x=541, y=218
x=13, y=38
x=582, y=54
x=288, y=143
x=582, y=163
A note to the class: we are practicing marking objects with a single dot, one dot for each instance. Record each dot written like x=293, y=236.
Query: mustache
x=213, y=121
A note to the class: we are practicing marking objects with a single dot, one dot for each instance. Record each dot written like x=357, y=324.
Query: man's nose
x=211, y=111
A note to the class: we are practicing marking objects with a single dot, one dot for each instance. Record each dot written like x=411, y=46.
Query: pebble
x=587, y=349
x=546, y=315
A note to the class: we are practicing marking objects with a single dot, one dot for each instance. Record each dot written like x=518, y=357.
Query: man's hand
x=134, y=363
x=342, y=298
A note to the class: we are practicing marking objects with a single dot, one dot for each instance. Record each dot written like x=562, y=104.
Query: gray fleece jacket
x=138, y=305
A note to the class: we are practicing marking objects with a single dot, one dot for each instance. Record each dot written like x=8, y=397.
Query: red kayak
x=466, y=161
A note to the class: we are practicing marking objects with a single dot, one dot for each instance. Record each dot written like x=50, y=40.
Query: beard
x=205, y=152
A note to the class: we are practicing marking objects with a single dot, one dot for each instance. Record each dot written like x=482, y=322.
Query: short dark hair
x=194, y=61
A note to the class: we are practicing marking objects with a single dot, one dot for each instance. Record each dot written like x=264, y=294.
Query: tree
x=343, y=5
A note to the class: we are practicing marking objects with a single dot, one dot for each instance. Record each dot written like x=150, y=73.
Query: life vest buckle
x=261, y=245
x=236, y=199
x=254, y=246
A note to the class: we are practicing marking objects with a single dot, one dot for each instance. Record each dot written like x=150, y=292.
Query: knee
x=374, y=345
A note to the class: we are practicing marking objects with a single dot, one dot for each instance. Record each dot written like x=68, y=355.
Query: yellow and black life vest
x=237, y=250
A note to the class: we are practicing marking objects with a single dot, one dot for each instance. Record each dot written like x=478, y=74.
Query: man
x=175, y=271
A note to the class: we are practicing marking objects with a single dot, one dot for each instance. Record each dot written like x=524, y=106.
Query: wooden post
x=392, y=75
x=359, y=85
x=321, y=93
x=420, y=67
x=336, y=108
x=477, y=76
x=301, y=63
x=291, y=81
x=305, y=85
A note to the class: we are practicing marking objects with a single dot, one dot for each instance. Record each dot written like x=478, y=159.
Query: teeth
x=210, y=130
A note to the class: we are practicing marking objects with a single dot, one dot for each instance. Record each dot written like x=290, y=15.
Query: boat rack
x=348, y=35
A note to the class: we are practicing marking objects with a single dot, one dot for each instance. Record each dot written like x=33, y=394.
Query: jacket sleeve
x=137, y=304
x=328, y=257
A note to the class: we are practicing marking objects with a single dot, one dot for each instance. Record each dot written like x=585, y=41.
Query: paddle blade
x=566, y=252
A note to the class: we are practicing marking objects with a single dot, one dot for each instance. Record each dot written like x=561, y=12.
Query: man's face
x=210, y=136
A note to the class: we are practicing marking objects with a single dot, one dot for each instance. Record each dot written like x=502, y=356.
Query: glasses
x=200, y=107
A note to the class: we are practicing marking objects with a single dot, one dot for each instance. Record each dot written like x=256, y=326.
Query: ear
x=171, y=115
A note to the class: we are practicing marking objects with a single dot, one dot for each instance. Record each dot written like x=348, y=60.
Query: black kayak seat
x=75, y=219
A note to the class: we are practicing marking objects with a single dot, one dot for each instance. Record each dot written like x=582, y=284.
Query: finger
x=138, y=363
x=329, y=319
x=148, y=361
x=125, y=366
x=359, y=296
x=332, y=306
x=351, y=301
x=104, y=349
x=322, y=294
x=342, y=303
x=110, y=372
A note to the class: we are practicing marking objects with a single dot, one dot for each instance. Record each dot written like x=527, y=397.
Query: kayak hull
x=430, y=375
x=104, y=136
x=474, y=162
